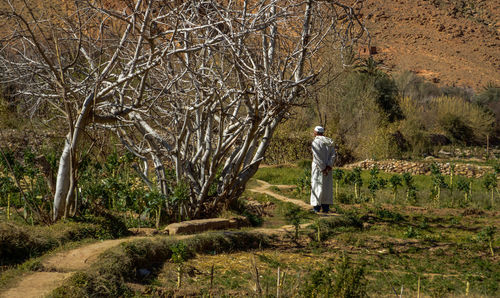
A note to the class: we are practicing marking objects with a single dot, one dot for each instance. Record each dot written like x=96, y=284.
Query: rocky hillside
x=450, y=42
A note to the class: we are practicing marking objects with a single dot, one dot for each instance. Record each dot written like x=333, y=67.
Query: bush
x=457, y=129
x=18, y=243
x=344, y=280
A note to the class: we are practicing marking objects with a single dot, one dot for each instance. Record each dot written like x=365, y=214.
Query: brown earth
x=450, y=42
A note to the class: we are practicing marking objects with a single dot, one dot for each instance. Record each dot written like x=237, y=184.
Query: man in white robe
x=321, y=174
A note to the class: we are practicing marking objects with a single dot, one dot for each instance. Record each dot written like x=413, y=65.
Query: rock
x=143, y=272
x=144, y=231
x=202, y=225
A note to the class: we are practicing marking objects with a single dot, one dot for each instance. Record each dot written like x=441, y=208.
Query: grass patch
x=287, y=175
x=449, y=197
x=20, y=242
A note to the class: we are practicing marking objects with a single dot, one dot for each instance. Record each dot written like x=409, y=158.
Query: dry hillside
x=451, y=42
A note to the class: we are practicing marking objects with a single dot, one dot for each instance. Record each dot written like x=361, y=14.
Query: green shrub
x=344, y=280
x=19, y=243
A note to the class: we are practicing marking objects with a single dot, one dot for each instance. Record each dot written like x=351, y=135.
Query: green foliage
x=22, y=185
x=344, y=280
x=395, y=182
x=354, y=178
x=490, y=181
x=303, y=184
x=411, y=190
x=463, y=185
x=489, y=95
x=337, y=174
x=438, y=182
x=387, y=215
x=456, y=129
x=411, y=85
x=180, y=252
x=375, y=183
x=487, y=234
x=294, y=216
x=19, y=243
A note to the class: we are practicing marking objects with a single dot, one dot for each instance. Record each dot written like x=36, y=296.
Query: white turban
x=319, y=129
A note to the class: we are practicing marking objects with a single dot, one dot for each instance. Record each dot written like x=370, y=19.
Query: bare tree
x=197, y=86
x=88, y=63
x=221, y=105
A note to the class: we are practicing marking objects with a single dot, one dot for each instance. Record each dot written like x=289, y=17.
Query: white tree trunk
x=62, y=180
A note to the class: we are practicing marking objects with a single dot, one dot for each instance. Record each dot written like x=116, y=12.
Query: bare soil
x=442, y=41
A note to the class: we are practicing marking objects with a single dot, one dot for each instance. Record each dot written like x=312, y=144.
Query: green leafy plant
x=487, y=234
x=337, y=174
x=180, y=253
x=375, y=183
x=155, y=202
x=490, y=183
x=179, y=198
x=7, y=189
x=293, y=216
x=463, y=185
x=411, y=190
x=452, y=174
x=354, y=178
x=437, y=182
x=344, y=280
x=395, y=182
x=304, y=182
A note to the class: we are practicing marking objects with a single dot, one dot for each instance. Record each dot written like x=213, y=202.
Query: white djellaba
x=322, y=185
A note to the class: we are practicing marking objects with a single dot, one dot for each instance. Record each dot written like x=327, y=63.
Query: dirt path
x=264, y=188
x=62, y=265
x=59, y=267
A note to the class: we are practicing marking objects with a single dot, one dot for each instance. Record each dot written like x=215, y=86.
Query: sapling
x=452, y=173
x=437, y=182
x=337, y=174
x=293, y=216
x=487, y=234
x=179, y=256
x=463, y=185
x=358, y=181
x=304, y=182
x=375, y=183
x=411, y=190
x=7, y=188
x=490, y=183
x=395, y=182
x=155, y=201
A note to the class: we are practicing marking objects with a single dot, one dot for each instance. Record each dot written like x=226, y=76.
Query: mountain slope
x=451, y=42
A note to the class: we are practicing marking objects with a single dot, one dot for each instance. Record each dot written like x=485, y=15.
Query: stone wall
x=422, y=167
